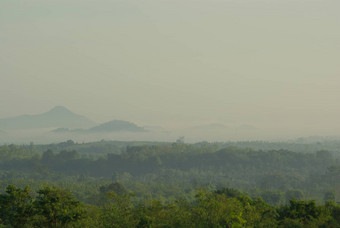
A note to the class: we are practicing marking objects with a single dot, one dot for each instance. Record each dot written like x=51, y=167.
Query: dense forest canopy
x=114, y=207
x=162, y=184
x=179, y=167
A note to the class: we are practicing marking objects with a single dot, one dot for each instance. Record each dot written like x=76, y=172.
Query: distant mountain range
x=116, y=125
x=111, y=126
x=64, y=120
x=221, y=127
x=59, y=116
x=212, y=126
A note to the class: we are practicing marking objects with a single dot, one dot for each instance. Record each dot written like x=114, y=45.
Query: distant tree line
x=171, y=170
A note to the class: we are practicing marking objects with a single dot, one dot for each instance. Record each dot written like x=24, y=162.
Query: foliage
x=53, y=207
x=165, y=171
x=16, y=207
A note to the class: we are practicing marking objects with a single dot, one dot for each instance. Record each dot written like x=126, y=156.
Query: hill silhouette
x=58, y=116
x=117, y=125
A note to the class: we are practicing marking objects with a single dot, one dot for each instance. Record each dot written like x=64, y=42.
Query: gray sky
x=268, y=63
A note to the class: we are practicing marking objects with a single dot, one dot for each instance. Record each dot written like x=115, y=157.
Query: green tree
x=16, y=207
x=299, y=214
x=58, y=208
x=118, y=211
x=216, y=210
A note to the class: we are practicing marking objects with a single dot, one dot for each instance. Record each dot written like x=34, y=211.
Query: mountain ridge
x=58, y=116
x=117, y=125
x=107, y=127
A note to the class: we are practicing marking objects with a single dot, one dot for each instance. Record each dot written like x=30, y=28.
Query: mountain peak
x=59, y=116
x=60, y=109
x=117, y=125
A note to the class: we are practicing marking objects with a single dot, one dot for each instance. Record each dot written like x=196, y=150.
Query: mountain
x=212, y=126
x=67, y=130
x=58, y=116
x=117, y=125
x=155, y=128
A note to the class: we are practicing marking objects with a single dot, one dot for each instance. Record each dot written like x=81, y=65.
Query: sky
x=272, y=64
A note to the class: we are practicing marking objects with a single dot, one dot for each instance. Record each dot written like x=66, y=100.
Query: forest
x=169, y=114
x=159, y=184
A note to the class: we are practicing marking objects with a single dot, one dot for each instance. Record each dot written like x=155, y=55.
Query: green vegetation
x=145, y=184
x=53, y=207
x=166, y=171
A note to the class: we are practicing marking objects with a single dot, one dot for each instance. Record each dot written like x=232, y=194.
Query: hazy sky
x=269, y=63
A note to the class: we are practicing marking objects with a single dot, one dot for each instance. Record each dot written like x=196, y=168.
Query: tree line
x=114, y=207
x=172, y=170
